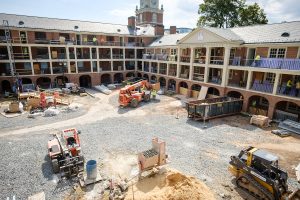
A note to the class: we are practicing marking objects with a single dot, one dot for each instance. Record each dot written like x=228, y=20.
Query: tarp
x=203, y=93
x=103, y=89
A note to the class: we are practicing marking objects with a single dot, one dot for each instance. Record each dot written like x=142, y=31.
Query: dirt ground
x=113, y=136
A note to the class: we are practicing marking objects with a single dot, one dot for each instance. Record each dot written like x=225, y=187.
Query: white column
x=124, y=55
x=158, y=67
x=225, y=66
x=143, y=69
x=68, y=59
x=191, y=64
x=168, y=67
x=50, y=59
x=111, y=60
x=178, y=62
x=97, y=56
x=207, y=58
x=135, y=60
x=276, y=83
x=250, y=74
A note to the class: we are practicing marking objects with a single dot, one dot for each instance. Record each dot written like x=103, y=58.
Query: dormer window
x=285, y=34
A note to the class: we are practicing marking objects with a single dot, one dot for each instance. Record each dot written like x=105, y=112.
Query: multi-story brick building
x=47, y=51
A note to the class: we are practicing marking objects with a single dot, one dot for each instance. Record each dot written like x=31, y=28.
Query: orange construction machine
x=133, y=94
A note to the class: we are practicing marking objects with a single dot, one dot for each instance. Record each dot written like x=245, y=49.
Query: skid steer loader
x=258, y=173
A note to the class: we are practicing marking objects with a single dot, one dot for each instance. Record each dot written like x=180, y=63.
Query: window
x=270, y=77
x=40, y=35
x=154, y=17
x=230, y=74
x=232, y=53
x=163, y=51
x=173, y=51
x=277, y=53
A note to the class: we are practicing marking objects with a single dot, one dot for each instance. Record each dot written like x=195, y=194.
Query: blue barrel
x=91, y=169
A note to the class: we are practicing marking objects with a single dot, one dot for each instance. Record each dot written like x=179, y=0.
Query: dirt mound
x=171, y=185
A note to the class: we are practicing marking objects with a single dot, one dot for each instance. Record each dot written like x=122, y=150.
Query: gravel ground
x=193, y=149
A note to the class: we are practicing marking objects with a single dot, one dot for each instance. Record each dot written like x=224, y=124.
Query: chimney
x=173, y=30
x=131, y=21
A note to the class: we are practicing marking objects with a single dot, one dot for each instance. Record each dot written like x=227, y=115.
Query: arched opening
x=139, y=75
x=195, y=90
x=105, y=79
x=6, y=87
x=85, y=81
x=183, y=88
x=213, y=92
x=258, y=105
x=60, y=81
x=286, y=110
x=235, y=94
x=130, y=75
x=172, y=85
x=162, y=82
x=146, y=77
x=44, y=82
x=153, y=79
x=26, y=81
x=118, y=78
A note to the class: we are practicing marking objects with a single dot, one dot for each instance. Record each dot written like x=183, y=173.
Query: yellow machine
x=258, y=173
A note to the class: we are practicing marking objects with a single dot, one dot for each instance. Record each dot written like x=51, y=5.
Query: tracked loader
x=258, y=173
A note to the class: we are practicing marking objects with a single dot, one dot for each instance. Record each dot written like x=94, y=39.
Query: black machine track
x=246, y=183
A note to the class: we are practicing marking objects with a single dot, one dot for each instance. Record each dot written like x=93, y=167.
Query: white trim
x=298, y=55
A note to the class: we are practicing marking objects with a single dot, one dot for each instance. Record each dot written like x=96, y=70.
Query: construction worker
x=288, y=87
x=297, y=87
x=95, y=40
x=257, y=60
x=153, y=93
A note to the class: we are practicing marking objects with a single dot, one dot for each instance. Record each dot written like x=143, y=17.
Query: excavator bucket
x=295, y=195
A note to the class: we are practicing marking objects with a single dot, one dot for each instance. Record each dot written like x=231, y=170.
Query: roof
x=168, y=40
x=269, y=33
x=33, y=22
x=224, y=33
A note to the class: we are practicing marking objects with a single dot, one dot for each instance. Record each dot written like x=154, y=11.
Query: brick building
x=46, y=51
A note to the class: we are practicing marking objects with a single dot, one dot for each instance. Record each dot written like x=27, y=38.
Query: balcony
x=163, y=69
x=184, y=72
x=215, y=76
x=198, y=74
x=41, y=68
x=173, y=70
x=237, y=78
x=264, y=86
x=270, y=63
x=105, y=66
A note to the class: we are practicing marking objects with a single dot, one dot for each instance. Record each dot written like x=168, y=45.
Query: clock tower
x=149, y=13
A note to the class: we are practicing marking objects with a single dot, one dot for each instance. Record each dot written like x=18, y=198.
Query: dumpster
x=213, y=108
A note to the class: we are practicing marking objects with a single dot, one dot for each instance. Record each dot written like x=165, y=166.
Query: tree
x=230, y=13
x=252, y=14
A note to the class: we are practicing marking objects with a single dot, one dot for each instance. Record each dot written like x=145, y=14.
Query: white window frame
x=173, y=51
x=272, y=80
x=277, y=50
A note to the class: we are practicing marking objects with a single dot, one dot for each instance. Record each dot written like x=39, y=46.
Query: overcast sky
x=182, y=13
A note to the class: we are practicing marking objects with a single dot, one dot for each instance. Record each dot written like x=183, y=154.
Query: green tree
x=230, y=13
x=252, y=14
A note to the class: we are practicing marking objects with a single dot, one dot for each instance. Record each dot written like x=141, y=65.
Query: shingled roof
x=32, y=22
x=168, y=40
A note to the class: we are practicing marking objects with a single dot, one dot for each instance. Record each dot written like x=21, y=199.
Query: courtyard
x=110, y=132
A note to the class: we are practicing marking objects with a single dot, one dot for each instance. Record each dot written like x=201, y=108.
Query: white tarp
x=103, y=89
x=51, y=112
x=202, y=93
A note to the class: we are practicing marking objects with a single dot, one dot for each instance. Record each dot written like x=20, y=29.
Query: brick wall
x=292, y=52
x=262, y=51
x=30, y=36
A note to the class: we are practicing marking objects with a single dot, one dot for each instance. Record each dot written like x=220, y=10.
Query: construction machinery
x=257, y=172
x=135, y=93
x=65, y=153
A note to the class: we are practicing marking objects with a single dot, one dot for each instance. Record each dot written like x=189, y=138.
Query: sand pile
x=171, y=185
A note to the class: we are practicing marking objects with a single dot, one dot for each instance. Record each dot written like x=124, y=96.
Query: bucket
x=91, y=169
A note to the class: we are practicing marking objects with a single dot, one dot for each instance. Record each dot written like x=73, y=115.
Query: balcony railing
x=283, y=90
x=215, y=79
x=217, y=60
x=185, y=59
x=4, y=57
x=266, y=86
x=21, y=56
x=40, y=56
x=200, y=60
x=271, y=63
